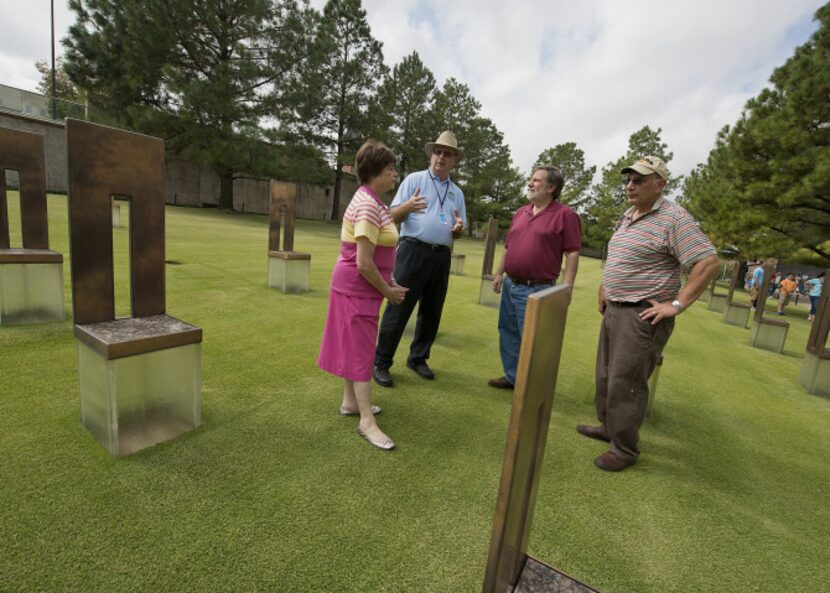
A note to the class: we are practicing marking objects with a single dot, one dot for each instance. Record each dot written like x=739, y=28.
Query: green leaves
x=578, y=177
x=607, y=200
x=765, y=187
x=196, y=74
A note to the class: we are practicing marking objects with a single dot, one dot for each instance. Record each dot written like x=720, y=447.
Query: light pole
x=54, y=86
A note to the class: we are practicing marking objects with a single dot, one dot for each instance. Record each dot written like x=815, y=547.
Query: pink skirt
x=350, y=335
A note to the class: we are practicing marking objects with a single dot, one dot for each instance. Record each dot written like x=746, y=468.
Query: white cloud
x=554, y=71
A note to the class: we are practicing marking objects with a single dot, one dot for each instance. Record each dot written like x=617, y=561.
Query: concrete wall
x=187, y=183
x=57, y=179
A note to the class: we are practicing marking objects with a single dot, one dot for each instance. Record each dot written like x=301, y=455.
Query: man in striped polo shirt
x=639, y=297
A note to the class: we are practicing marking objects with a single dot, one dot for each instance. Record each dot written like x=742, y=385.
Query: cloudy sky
x=550, y=71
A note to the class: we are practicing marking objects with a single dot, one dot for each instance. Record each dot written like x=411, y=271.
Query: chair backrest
x=541, y=349
x=283, y=200
x=490, y=247
x=734, y=281
x=714, y=283
x=819, y=330
x=103, y=162
x=761, y=302
x=23, y=152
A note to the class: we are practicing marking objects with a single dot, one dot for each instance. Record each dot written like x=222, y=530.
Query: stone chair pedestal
x=486, y=296
x=31, y=286
x=652, y=386
x=457, y=264
x=717, y=303
x=288, y=271
x=769, y=334
x=736, y=314
x=140, y=380
x=815, y=373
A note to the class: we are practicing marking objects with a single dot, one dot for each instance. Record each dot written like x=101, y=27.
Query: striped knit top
x=365, y=216
x=645, y=255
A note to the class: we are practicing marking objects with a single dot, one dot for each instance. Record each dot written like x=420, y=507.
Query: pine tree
x=331, y=98
x=578, y=177
x=401, y=113
x=195, y=74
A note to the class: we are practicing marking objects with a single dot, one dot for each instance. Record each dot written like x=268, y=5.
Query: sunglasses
x=443, y=153
x=635, y=180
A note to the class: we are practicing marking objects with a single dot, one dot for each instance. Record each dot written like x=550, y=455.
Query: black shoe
x=421, y=369
x=382, y=377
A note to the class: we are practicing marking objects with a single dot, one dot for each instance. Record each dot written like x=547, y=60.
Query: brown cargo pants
x=628, y=350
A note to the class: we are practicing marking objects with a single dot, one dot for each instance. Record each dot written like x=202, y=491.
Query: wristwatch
x=677, y=305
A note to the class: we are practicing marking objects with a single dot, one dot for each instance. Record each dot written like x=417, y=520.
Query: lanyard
x=438, y=193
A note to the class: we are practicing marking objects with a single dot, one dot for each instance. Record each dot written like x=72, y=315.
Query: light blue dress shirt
x=427, y=225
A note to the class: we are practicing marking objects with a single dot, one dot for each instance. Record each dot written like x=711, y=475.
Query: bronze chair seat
x=30, y=256
x=289, y=255
x=136, y=335
x=776, y=322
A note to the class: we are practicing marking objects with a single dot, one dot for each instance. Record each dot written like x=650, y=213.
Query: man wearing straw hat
x=639, y=297
x=430, y=209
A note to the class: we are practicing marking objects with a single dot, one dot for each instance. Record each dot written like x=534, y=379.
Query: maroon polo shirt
x=535, y=244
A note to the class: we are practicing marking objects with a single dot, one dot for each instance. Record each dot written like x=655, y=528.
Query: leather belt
x=629, y=304
x=530, y=283
x=429, y=246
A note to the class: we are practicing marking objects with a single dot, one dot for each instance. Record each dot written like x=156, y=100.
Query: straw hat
x=447, y=140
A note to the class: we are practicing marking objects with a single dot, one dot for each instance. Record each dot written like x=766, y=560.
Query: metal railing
x=31, y=104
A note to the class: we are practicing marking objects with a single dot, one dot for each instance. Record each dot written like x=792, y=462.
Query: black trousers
x=426, y=274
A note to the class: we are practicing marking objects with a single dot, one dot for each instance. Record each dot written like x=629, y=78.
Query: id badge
x=443, y=218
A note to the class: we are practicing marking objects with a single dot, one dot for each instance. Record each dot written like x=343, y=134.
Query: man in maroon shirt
x=539, y=235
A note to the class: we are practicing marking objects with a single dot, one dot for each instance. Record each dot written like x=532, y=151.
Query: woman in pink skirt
x=361, y=279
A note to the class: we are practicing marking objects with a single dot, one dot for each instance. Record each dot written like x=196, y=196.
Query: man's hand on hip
x=658, y=311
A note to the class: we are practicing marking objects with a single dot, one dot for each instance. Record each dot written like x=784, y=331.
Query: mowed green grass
x=276, y=492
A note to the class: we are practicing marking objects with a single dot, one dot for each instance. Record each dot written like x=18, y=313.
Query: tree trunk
x=335, y=202
x=226, y=189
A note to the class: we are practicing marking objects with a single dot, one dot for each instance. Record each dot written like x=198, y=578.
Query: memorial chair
x=140, y=376
x=457, y=263
x=735, y=313
x=486, y=296
x=815, y=369
x=509, y=568
x=717, y=302
x=766, y=333
x=288, y=270
x=116, y=214
x=31, y=277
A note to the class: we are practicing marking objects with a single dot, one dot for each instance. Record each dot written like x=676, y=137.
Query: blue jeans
x=511, y=323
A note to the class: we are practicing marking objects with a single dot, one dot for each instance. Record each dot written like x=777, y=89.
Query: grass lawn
x=275, y=491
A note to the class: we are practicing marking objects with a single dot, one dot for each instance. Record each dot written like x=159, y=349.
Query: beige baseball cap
x=648, y=165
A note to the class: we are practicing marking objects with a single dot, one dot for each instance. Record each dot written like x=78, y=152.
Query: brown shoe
x=593, y=432
x=611, y=462
x=500, y=383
